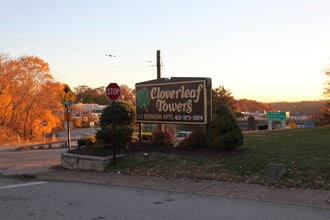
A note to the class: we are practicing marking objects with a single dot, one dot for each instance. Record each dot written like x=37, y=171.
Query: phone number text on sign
x=170, y=117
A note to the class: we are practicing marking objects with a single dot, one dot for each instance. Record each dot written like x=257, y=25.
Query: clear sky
x=264, y=50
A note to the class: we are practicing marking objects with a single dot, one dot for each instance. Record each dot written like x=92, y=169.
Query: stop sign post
x=113, y=93
x=44, y=123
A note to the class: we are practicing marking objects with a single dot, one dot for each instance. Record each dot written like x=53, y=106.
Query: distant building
x=254, y=114
x=94, y=109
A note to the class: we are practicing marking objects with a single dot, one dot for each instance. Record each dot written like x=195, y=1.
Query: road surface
x=20, y=162
x=59, y=200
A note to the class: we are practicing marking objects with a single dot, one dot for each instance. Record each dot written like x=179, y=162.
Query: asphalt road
x=59, y=200
x=16, y=162
x=20, y=162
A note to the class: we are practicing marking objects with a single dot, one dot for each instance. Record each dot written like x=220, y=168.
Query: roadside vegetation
x=305, y=152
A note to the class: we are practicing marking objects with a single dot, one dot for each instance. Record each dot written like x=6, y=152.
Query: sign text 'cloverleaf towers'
x=177, y=100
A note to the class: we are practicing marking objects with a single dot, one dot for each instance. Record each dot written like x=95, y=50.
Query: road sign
x=276, y=116
x=309, y=124
x=67, y=97
x=113, y=91
x=44, y=123
x=292, y=124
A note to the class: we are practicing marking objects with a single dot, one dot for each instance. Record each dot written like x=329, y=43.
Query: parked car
x=182, y=135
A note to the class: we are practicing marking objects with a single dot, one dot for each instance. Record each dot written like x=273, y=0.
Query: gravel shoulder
x=304, y=197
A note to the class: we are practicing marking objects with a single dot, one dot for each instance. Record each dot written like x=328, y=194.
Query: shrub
x=124, y=114
x=146, y=137
x=224, y=132
x=88, y=141
x=124, y=135
x=195, y=140
x=161, y=137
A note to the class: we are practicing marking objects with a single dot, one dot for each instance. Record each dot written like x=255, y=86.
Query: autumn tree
x=245, y=105
x=127, y=94
x=325, y=111
x=326, y=92
x=28, y=96
x=86, y=94
x=222, y=96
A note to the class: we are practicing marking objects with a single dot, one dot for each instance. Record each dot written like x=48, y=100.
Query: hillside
x=299, y=108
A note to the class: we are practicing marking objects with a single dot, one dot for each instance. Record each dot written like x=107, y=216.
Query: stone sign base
x=83, y=162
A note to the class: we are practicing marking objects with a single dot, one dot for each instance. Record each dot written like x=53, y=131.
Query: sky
x=264, y=50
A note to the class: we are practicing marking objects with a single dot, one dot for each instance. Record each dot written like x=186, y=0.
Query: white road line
x=22, y=185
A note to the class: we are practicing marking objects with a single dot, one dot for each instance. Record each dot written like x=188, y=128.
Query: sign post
x=44, y=123
x=276, y=116
x=113, y=92
x=67, y=98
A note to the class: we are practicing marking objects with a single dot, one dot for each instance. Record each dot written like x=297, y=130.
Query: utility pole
x=159, y=76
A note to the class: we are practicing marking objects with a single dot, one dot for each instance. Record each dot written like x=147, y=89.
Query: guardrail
x=49, y=145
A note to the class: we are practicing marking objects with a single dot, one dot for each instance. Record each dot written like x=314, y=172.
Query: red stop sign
x=112, y=91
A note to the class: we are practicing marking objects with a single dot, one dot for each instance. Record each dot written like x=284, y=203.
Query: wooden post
x=140, y=132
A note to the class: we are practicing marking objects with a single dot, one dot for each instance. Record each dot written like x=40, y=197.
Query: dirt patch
x=146, y=147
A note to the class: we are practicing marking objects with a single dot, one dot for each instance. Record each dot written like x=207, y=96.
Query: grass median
x=305, y=152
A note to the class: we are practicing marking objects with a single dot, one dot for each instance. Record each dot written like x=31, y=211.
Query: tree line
x=29, y=95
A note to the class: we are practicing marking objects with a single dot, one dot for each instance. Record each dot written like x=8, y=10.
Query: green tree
x=124, y=119
x=124, y=114
x=123, y=136
x=224, y=132
x=222, y=96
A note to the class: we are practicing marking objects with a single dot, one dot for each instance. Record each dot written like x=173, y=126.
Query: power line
x=51, y=45
x=108, y=72
x=74, y=49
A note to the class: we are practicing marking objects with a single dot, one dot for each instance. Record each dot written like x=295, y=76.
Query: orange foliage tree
x=97, y=95
x=28, y=96
x=245, y=105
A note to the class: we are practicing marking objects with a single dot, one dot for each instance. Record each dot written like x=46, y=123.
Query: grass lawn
x=305, y=152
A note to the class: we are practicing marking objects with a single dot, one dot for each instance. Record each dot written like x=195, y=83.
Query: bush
x=124, y=114
x=161, y=137
x=124, y=135
x=146, y=137
x=195, y=140
x=88, y=141
x=224, y=132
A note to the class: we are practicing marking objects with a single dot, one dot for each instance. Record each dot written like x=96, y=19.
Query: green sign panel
x=69, y=102
x=276, y=116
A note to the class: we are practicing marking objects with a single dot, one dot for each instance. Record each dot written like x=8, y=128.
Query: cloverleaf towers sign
x=176, y=100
